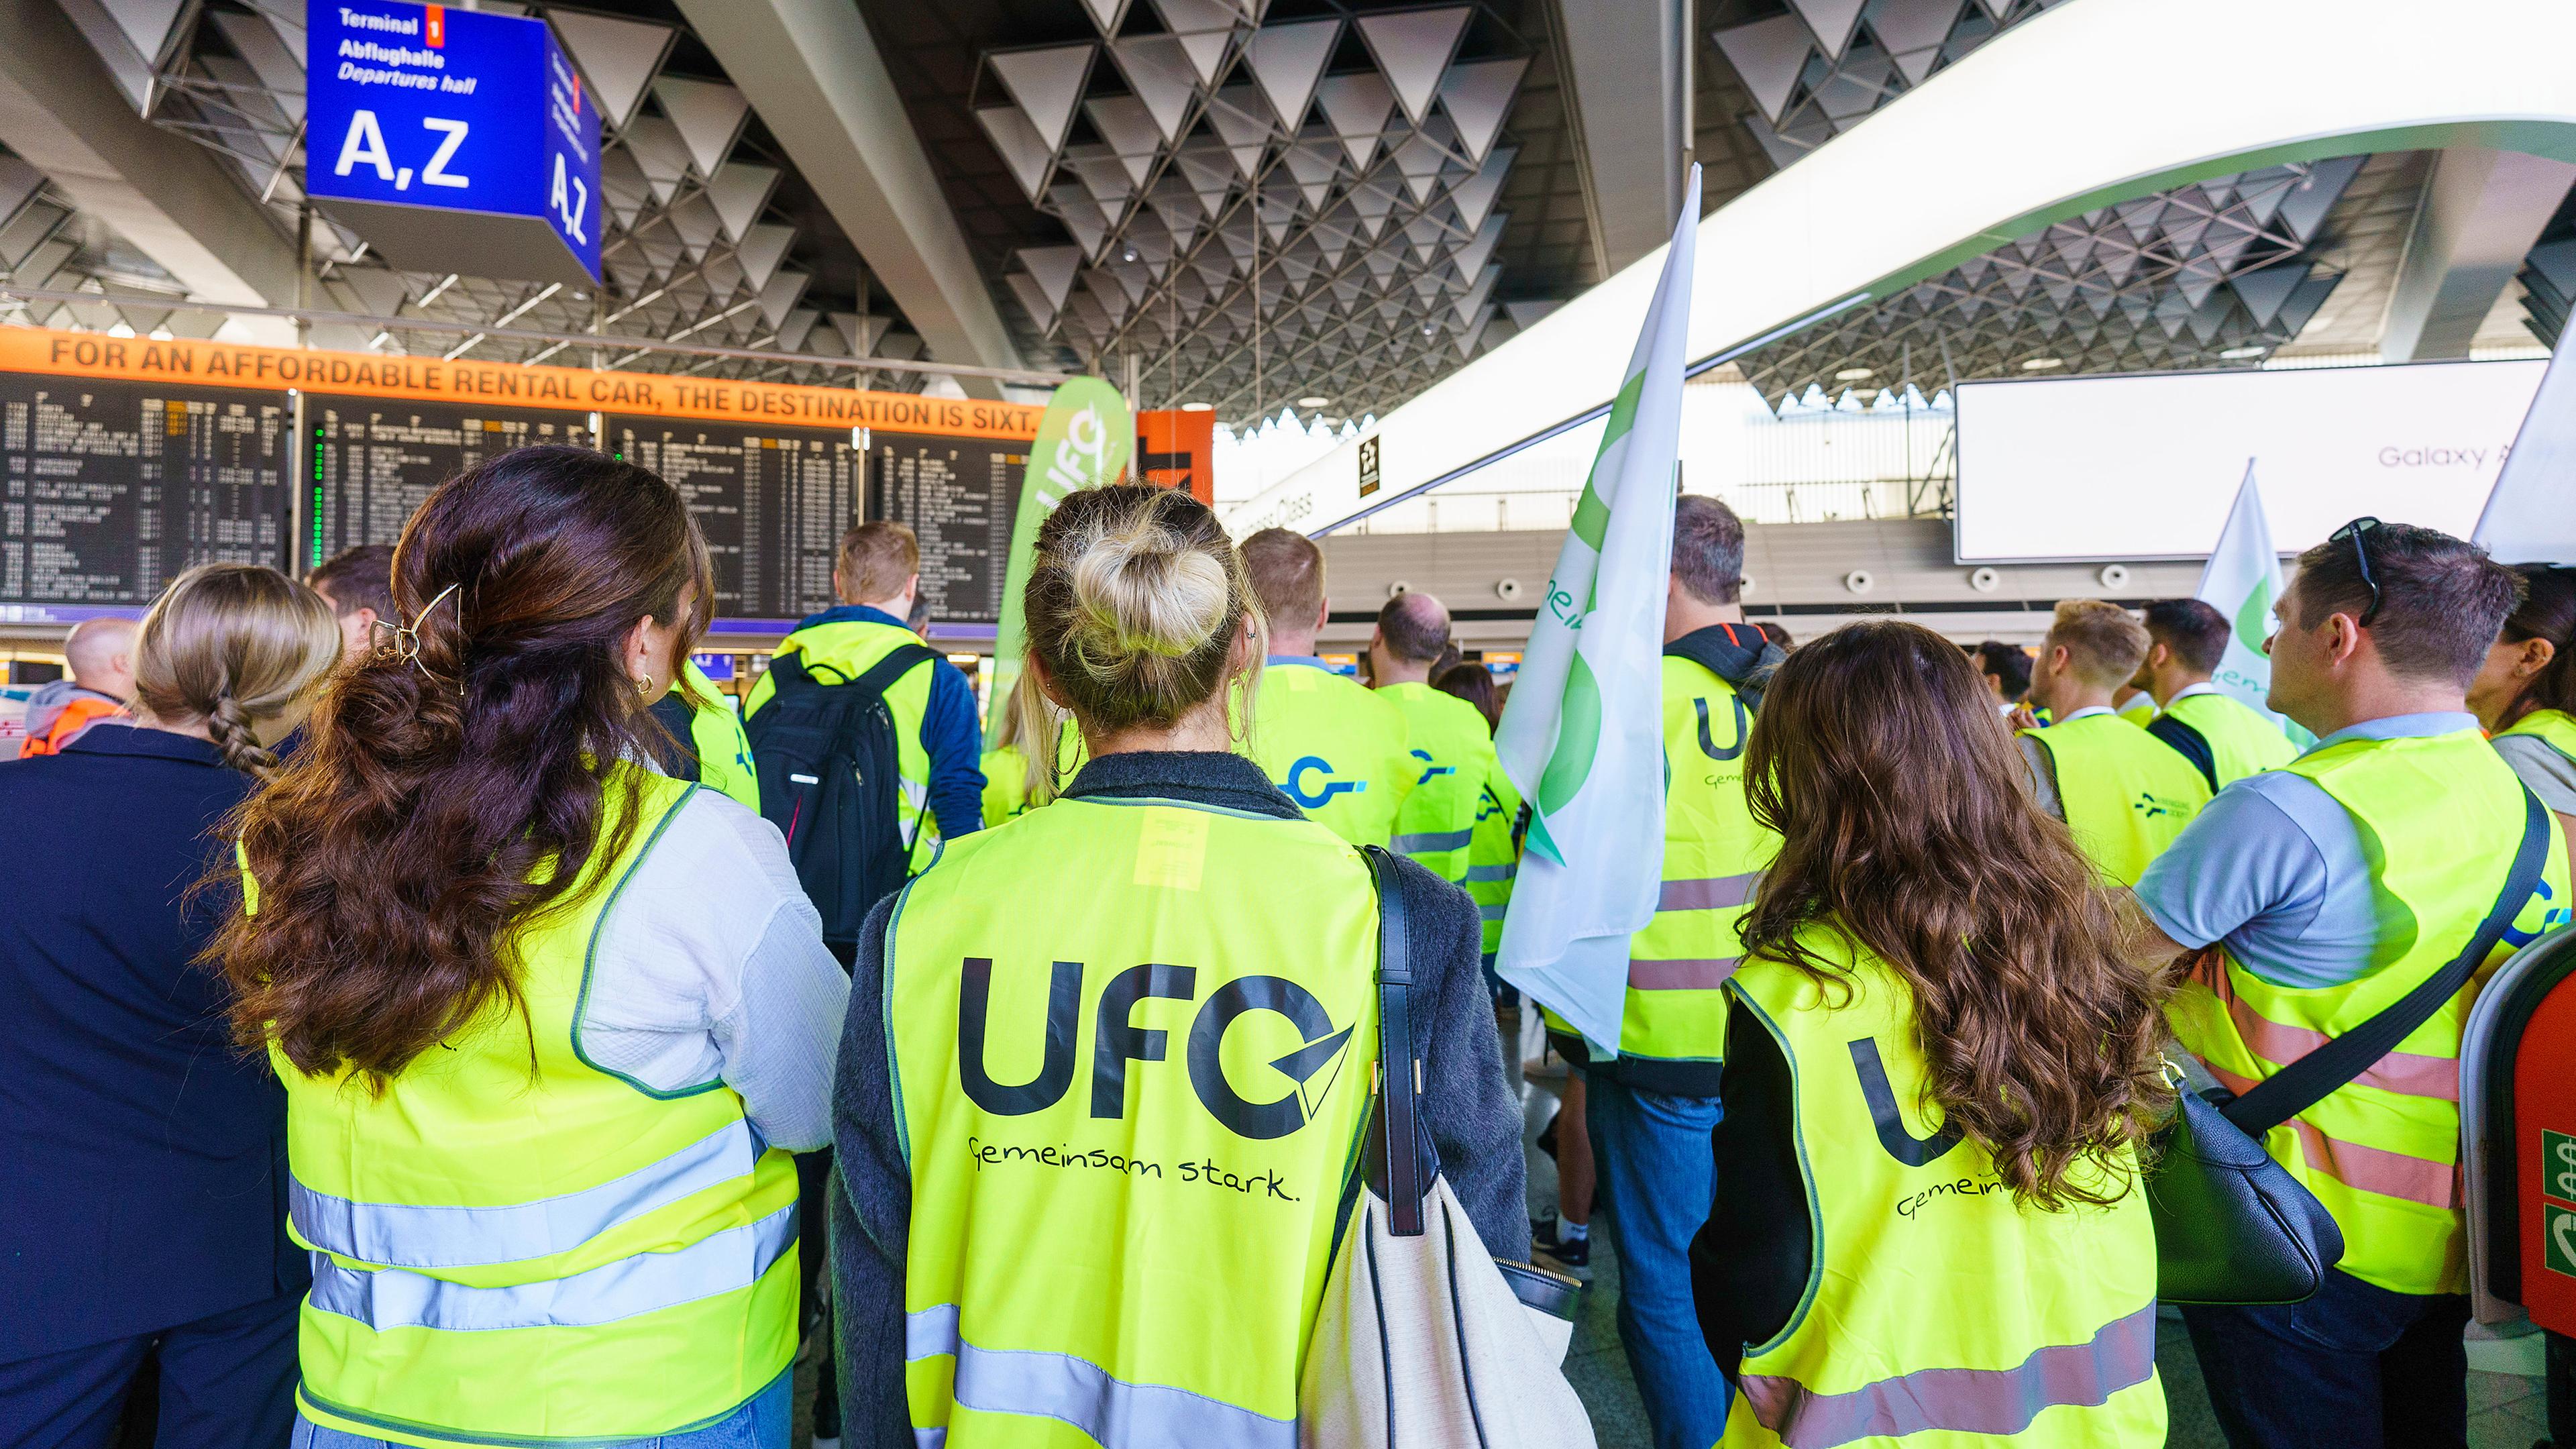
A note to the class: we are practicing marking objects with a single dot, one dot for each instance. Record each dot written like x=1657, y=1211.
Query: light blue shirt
x=2274, y=868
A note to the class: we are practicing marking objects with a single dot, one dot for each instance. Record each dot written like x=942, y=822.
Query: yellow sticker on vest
x=1171, y=848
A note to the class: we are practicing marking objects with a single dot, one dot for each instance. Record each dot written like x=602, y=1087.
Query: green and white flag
x=1582, y=738
x=1083, y=441
x=2241, y=579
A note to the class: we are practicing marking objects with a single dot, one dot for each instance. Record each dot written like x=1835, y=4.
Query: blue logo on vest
x=1425, y=757
x=1316, y=764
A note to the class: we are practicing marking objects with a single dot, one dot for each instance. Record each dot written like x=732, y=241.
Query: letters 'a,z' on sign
x=452, y=140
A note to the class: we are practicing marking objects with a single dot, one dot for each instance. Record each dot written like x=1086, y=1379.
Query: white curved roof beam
x=2090, y=104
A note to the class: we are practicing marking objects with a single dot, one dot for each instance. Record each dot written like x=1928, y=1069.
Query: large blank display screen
x=2147, y=466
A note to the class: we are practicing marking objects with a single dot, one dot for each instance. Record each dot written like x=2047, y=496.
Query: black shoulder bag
x=2231, y=1226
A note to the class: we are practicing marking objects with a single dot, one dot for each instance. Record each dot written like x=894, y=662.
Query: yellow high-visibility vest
x=1131, y=1100
x=716, y=737
x=1453, y=751
x=515, y=1245
x=2241, y=742
x=2126, y=794
x=1335, y=748
x=2440, y=818
x=1937, y=1312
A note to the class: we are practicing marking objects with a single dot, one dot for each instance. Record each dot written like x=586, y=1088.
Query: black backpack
x=825, y=750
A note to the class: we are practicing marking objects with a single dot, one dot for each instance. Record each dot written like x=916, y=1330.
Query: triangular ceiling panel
x=659, y=150
x=1022, y=149
x=763, y=247
x=1832, y=21
x=1054, y=269
x=786, y=286
x=710, y=115
x=1769, y=55
x=1129, y=129
x=1235, y=116
x=617, y=58
x=1047, y=82
x=1204, y=28
x=1106, y=14
x=1311, y=162
x=739, y=190
x=1477, y=94
x=1419, y=159
x=1475, y=195
x=1287, y=60
x=1159, y=73
x=1412, y=48
x=1358, y=106
x=1912, y=32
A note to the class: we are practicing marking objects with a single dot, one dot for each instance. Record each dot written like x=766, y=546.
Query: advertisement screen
x=2144, y=467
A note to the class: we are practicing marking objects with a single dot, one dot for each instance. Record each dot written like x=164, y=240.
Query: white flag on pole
x=2241, y=580
x=1583, y=735
x=2531, y=515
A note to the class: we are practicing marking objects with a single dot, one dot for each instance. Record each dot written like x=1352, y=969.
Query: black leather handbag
x=2232, y=1227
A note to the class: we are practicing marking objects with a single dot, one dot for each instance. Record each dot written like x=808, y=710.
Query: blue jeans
x=762, y=1423
x=2356, y=1367
x=1656, y=1180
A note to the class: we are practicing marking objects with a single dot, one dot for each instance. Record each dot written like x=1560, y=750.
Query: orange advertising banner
x=1177, y=449
x=217, y=364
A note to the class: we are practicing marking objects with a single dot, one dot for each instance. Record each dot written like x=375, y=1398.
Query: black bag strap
x=899, y=661
x=2314, y=1077
x=1398, y=1101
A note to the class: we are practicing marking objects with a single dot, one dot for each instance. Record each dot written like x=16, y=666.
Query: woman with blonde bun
x=142, y=1149
x=1107, y=1067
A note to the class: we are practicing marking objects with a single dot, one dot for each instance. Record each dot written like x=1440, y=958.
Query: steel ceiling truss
x=2211, y=275
x=690, y=247
x=1262, y=210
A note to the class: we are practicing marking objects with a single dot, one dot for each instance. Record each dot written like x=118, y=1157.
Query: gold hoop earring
x=644, y=686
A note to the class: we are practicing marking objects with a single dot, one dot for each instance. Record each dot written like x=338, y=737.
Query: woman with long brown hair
x=1939, y=1067
x=546, y=1018
x=140, y=1149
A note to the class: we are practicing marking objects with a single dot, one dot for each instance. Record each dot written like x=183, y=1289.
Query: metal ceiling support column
x=1622, y=63
x=2481, y=213
x=819, y=82
x=164, y=194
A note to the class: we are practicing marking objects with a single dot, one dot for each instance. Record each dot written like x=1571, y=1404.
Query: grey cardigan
x=1467, y=1106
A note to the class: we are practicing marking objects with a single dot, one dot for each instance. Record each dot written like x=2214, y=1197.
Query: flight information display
x=960, y=495
x=113, y=487
x=771, y=501
x=375, y=460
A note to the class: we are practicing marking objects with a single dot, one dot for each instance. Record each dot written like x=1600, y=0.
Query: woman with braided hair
x=141, y=1147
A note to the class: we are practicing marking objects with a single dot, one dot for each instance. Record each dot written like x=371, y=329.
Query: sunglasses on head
x=2359, y=530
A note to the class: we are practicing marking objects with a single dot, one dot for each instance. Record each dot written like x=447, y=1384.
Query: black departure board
x=374, y=460
x=959, y=495
x=112, y=487
x=771, y=501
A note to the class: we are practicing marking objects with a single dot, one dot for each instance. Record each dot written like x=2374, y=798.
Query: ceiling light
x=2043, y=364
x=1313, y=402
x=1851, y=374
x=1128, y=255
x=2236, y=352
x=1198, y=407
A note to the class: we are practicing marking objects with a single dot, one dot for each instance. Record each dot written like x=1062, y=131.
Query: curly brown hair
x=1907, y=827
x=442, y=803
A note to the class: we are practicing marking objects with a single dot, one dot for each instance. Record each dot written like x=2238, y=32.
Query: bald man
x=1452, y=750
x=101, y=654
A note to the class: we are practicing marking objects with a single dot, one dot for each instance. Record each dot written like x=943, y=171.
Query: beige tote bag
x=1424, y=1340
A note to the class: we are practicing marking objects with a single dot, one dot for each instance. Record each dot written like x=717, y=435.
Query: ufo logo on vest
x=1311, y=1070
x=1308, y=768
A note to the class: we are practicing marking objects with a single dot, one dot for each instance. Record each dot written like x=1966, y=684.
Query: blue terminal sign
x=452, y=140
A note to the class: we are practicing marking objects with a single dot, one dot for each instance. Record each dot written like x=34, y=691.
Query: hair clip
x=406, y=642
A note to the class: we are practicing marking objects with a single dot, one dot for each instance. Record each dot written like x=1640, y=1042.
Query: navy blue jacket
x=144, y=1155
x=950, y=735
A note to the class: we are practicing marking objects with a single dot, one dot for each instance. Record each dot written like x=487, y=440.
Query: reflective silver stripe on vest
x=470, y=1237
x=1710, y=893
x=1432, y=840
x=929, y=1439
x=1492, y=913
x=390, y=1298
x=1963, y=1401
x=1493, y=872
x=1081, y=1393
